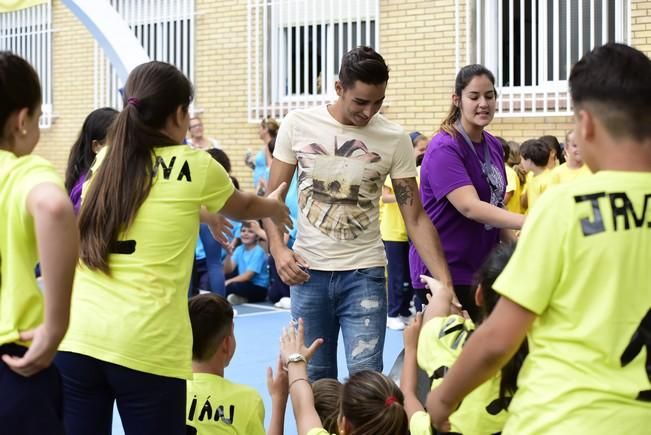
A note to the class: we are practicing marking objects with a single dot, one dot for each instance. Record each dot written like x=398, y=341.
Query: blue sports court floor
x=257, y=328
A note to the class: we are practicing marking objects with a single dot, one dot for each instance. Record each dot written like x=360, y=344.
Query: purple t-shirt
x=449, y=163
x=75, y=192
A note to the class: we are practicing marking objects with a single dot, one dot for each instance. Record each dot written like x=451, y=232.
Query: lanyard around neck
x=485, y=165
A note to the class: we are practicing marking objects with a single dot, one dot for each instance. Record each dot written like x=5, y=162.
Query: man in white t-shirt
x=343, y=153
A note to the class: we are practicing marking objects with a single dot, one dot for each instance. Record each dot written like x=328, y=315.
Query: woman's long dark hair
x=82, y=155
x=486, y=276
x=464, y=76
x=154, y=91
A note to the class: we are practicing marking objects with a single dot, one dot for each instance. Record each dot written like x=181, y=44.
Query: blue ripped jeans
x=353, y=300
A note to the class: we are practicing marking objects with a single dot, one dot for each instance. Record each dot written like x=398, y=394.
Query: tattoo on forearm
x=404, y=191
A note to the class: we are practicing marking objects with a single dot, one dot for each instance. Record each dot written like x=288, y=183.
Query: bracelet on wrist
x=296, y=380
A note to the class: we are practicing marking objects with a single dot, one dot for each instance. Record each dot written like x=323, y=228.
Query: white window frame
x=170, y=37
x=273, y=88
x=547, y=90
x=34, y=44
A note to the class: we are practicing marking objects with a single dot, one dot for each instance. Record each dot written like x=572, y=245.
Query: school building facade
x=250, y=59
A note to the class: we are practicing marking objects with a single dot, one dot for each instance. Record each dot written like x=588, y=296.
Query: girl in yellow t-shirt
x=439, y=342
x=130, y=338
x=371, y=403
x=37, y=223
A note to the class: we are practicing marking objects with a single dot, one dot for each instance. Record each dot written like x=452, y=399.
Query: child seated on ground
x=214, y=404
x=438, y=343
x=249, y=262
x=371, y=403
x=535, y=157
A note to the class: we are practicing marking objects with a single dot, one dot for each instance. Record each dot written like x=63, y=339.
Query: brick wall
x=72, y=85
x=417, y=39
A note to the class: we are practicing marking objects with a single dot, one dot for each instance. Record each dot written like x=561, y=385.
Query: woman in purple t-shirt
x=82, y=154
x=462, y=184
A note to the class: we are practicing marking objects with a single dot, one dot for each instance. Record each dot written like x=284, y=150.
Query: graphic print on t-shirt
x=334, y=190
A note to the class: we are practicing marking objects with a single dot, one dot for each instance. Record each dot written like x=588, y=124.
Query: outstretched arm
x=467, y=202
x=420, y=229
x=300, y=390
x=409, y=376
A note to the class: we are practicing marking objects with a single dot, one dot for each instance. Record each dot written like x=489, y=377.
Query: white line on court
x=261, y=313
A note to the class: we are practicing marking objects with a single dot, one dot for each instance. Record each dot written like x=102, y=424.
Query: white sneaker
x=395, y=323
x=234, y=299
x=407, y=319
x=285, y=303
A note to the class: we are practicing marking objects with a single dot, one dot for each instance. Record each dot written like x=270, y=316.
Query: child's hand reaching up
x=441, y=301
x=278, y=386
x=411, y=332
x=278, y=390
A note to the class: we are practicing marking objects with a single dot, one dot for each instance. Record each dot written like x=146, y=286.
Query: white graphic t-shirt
x=341, y=170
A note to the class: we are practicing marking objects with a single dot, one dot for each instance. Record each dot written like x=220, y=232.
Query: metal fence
x=531, y=46
x=165, y=28
x=28, y=33
x=295, y=46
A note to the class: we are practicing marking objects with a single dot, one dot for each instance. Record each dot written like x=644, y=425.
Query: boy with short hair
x=586, y=303
x=250, y=261
x=214, y=404
x=535, y=155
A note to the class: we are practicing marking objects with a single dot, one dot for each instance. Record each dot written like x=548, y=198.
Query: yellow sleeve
x=217, y=186
x=420, y=424
x=388, y=183
x=318, y=431
x=544, y=231
x=255, y=425
x=33, y=171
x=511, y=180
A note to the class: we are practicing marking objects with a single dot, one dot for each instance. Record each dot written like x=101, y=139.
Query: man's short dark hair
x=363, y=64
x=535, y=150
x=211, y=317
x=615, y=81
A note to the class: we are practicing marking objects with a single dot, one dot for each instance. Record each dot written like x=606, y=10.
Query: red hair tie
x=390, y=401
x=133, y=101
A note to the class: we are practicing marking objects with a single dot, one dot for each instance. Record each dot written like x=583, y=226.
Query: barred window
x=295, y=47
x=531, y=46
x=28, y=33
x=165, y=28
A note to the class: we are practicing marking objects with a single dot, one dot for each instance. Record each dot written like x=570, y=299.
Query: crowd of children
x=534, y=355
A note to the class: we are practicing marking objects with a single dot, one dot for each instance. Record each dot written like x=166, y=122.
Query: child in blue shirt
x=250, y=262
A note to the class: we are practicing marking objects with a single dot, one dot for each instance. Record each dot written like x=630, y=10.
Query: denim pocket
x=373, y=273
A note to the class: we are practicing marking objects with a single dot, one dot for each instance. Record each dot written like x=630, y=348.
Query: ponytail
x=153, y=92
x=448, y=123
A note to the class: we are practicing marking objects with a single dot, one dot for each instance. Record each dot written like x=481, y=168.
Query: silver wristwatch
x=295, y=357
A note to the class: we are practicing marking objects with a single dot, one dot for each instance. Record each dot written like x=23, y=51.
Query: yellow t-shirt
x=563, y=174
x=513, y=185
x=392, y=226
x=21, y=301
x=216, y=406
x=138, y=316
x=341, y=170
x=536, y=186
x=420, y=424
x=586, y=363
x=440, y=343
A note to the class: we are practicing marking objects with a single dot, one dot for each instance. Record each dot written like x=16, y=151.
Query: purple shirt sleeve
x=75, y=192
x=449, y=172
